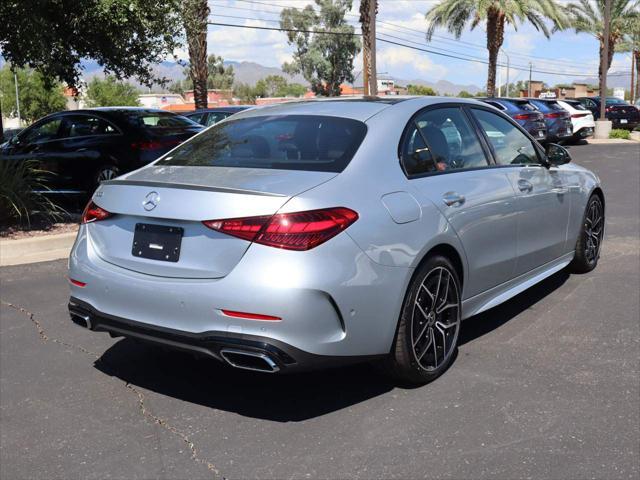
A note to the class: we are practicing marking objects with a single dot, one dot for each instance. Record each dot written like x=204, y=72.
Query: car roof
x=230, y=108
x=357, y=108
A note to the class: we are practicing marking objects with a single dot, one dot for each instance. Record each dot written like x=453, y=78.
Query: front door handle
x=525, y=185
x=451, y=199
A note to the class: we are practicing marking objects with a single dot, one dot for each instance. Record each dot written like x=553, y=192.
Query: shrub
x=620, y=133
x=21, y=184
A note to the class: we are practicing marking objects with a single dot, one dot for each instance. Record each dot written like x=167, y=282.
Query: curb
x=38, y=249
x=610, y=141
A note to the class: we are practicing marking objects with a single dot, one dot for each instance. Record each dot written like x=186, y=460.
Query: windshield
x=289, y=142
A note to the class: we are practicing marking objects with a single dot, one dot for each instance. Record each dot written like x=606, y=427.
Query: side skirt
x=502, y=293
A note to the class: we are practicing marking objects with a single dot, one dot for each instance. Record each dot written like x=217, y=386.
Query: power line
x=442, y=54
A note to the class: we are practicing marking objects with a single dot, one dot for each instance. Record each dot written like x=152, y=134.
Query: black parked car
x=211, y=116
x=82, y=148
x=622, y=114
x=557, y=119
x=523, y=112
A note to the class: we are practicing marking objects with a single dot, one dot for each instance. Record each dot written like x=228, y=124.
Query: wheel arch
x=598, y=191
x=449, y=251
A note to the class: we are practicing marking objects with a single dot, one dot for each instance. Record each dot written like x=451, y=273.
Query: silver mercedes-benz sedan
x=317, y=233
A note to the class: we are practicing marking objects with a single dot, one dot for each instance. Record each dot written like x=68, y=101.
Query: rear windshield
x=524, y=105
x=575, y=104
x=615, y=101
x=159, y=120
x=288, y=142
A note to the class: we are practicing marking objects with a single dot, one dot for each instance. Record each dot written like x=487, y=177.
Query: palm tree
x=368, y=44
x=631, y=43
x=587, y=16
x=195, y=14
x=455, y=14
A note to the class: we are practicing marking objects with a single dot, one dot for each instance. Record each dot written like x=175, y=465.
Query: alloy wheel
x=593, y=230
x=107, y=173
x=436, y=319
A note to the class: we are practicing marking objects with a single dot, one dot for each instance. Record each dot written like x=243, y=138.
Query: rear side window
x=575, y=104
x=160, y=120
x=288, y=142
x=524, y=105
x=440, y=140
x=86, y=125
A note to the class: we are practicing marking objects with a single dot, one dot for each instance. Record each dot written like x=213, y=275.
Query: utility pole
x=368, y=10
x=499, y=82
x=632, y=91
x=507, y=94
x=15, y=79
x=530, y=71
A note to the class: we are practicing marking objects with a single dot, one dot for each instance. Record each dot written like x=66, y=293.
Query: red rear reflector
x=94, y=213
x=77, y=283
x=250, y=316
x=291, y=231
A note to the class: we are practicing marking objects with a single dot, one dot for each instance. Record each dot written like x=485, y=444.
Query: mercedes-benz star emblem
x=151, y=201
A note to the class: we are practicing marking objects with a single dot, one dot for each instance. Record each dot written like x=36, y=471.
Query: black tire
x=412, y=360
x=590, y=237
x=103, y=173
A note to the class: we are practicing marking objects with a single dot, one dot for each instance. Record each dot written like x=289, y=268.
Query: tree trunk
x=636, y=53
x=194, y=15
x=495, y=38
x=368, y=10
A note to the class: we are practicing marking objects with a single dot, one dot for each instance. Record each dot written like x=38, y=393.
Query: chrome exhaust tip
x=248, y=360
x=81, y=319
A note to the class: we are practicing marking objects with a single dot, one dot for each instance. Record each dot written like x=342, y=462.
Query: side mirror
x=557, y=154
x=14, y=140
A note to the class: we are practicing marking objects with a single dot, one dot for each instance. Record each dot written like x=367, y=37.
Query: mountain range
x=251, y=72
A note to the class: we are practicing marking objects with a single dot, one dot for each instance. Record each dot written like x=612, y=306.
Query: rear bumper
x=281, y=357
x=333, y=301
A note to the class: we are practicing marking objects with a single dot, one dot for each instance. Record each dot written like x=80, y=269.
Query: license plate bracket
x=157, y=242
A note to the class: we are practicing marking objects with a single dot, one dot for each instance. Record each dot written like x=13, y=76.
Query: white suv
x=581, y=119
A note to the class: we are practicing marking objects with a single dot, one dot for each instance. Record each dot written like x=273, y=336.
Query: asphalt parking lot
x=544, y=386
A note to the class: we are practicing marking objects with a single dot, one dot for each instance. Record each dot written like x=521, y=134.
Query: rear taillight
x=154, y=144
x=579, y=115
x=555, y=115
x=525, y=116
x=291, y=231
x=94, y=213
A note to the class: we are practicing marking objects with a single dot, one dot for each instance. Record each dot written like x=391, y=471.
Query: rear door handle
x=451, y=199
x=525, y=185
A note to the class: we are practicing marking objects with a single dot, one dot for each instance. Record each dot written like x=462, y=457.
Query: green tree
x=421, y=90
x=246, y=93
x=324, y=59
x=220, y=77
x=126, y=37
x=587, y=16
x=272, y=86
x=37, y=97
x=464, y=94
x=195, y=14
x=295, y=90
x=109, y=92
x=454, y=15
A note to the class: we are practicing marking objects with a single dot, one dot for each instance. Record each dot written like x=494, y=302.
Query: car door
x=86, y=146
x=542, y=203
x=444, y=159
x=40, y=142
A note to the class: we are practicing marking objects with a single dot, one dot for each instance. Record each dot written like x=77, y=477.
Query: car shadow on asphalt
x=281, y=398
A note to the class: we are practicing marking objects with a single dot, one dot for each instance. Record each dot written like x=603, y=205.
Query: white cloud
x=406, y=63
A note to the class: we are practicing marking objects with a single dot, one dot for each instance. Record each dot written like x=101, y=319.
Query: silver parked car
x=315, y=233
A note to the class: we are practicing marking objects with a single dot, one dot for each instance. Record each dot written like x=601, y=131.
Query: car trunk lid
x=180, y=198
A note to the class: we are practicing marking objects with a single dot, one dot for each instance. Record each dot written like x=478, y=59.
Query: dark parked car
x=211, y=116
x=523, y=112
x=622, y=114
x=82, y=148
x=557, y=119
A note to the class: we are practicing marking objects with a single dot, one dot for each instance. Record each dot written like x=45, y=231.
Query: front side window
x=288, y=142
x=43, y=132
x=511, y=146
x=440, y=140
x=215, y=117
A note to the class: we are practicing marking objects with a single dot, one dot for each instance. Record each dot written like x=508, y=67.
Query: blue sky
x=565, y=53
